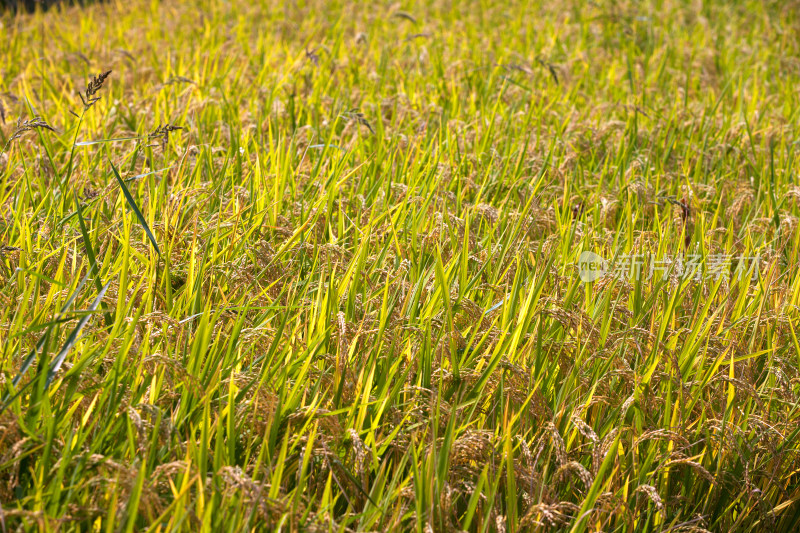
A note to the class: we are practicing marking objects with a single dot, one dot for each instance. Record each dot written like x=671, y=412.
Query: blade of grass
x=135, y=208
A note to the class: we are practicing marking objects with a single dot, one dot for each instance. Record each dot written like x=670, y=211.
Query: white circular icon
x=591, y=266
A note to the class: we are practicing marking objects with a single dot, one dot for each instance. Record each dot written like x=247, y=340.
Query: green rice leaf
x=135, y=208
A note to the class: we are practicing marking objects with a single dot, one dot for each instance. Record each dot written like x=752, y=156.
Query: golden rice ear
x=652, y=494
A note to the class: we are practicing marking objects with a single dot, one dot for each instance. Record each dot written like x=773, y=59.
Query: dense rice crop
x=324, y=266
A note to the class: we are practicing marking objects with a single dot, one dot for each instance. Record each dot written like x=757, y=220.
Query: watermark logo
x=592, y=267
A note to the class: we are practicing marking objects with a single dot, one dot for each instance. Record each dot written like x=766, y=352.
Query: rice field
x=416, y=266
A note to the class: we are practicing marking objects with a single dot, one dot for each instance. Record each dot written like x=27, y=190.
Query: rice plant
x=425, y=266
